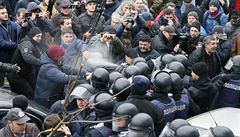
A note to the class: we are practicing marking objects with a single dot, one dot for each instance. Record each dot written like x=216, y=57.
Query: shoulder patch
x=25, y=50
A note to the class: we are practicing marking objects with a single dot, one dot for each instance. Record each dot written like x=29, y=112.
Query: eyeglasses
x=68, y=7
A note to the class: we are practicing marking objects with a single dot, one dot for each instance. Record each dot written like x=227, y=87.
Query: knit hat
x=33, y=6
x=55, y=52
x=215, y=3
x=147, y=16
x=34, y=31
x=200, y=68
x=131, y=52
x=110, y=29
x=196, y=25
x=20, y=101
x=194, y=14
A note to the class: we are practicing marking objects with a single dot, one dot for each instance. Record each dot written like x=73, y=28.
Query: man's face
x=144, y=46
x=17, y=128
x=212, y=8
x=235, y=20
x=66, y=10
x=37, y=38
x=81, y=103
x=67, y=38
x=120, y=123
x=211, y=47
x=67, y=23
x=128, y=60
x=138, y=4
x=194, y=76
x=3, y=15
x=108, y=2
x=194, y=32
x=90, y=7
x=191, y=19
x=168, y=17
x=115, y=21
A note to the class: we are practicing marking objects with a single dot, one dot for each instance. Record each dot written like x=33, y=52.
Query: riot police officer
x=100, y=80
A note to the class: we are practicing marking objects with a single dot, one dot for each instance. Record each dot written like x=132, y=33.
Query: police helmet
x=138, y=59
x=175, y=124
x=140, y=85
x=83, y=91
x=113, y=76
x=125, y=109
x=141, y=122
x=236, y=63
x=143, y=68
x=100, y=78
x=119, y=85
x=183, y=59
x=105, y=102
x=220, y=131
x=166, y=59
x=162, y=82
x=177, y=83
x=177, y=67
x=131, y=71
x=187, y=131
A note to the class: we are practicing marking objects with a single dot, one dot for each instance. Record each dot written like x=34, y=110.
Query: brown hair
x=51, y=121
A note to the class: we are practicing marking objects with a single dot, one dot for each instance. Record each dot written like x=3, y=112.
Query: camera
x=129, y=25
x=26, y=17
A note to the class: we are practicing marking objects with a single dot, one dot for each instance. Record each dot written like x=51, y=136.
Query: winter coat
x=50, y=81
x=186, y=29
x=114, y=51
x=27, y=56
x=6, y=67
x=152, y=54
x=145, y=106
x=110, y=8
x=201, y=93
x=213, y=61
x=30, y=131
x=210, y=21
x=224, y=50
x=85, y=21
x=8, y=41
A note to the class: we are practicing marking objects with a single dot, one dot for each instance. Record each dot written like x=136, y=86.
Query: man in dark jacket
x=18, y=126
x=164, y=42
x=208, y=54
x=145, y=49
x=27, y=56
x=140, y=86
x=51, y=78
x=8, y=39
x=86, y=19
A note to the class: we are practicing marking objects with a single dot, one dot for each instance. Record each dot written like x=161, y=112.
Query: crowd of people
x=119, y=67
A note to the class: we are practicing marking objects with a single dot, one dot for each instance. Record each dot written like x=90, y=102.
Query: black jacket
x=213, y=61
x=7, y=67
x=202, y=93
x=27, y=56
x=145, y=106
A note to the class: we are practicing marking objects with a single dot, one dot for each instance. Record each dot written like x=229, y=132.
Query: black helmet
x=83, y=91
x=220, y=131
x=236, y=63
x=177, y=83
x=175, y=124
x=131, y=71
x=162, y=82
x=166, y=59
x=183, y=59
x=140, y=85
x=187, y=131
x=113, y=76
x=143, y=67
x=100, y=78
x=141, y=125
x=177, y=67
x=125, y=109
x=138, y=59
x=106, y=105
x=118, y=85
